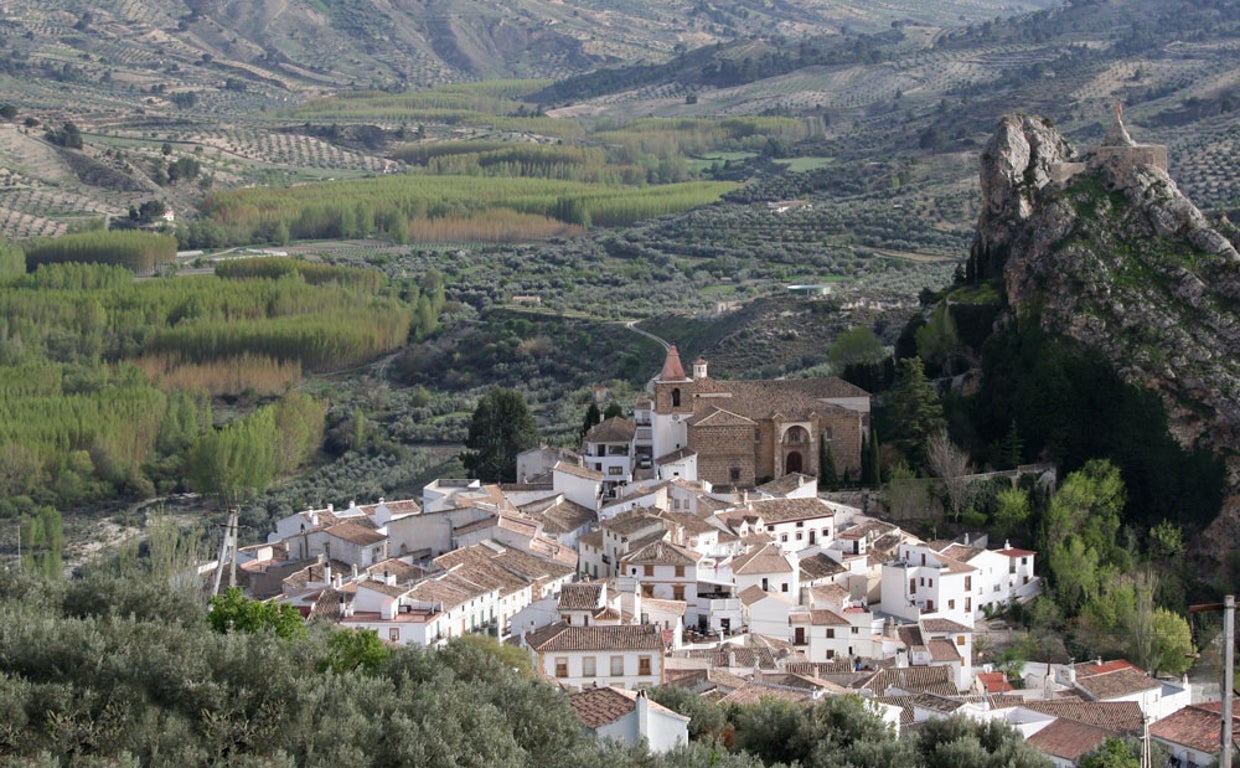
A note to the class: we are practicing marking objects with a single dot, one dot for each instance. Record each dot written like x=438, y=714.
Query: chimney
x=389, y=579
x=330, y=508
x=336, y=581
x=354, y=571
x=327, y=571
x=966, y=538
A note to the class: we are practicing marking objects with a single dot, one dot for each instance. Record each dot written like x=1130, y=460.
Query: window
x=678, y=592
x=676, y=397
x=734, y=473
x=798, y=636
x=615, y=470
x=783, y=537
x=912, y=586
x=801, y=524
x=617, y=666
x=643, y=665
x=830, y=633
x=798, y=535
x=561, y=666
x=757, y=435
x=968, y=583
x=765, y=585
x=930, y=582
x=951, y=605
x=680, y=571
x=783, y=587
x=922, y=581
x=959, y=639
x=968, y=603
x=394, y=635
x=587, y=667
x=854, y=631
x=647, y=570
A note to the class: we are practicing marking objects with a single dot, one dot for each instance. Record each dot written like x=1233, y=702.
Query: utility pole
x=1228, y=607
x=228, y=549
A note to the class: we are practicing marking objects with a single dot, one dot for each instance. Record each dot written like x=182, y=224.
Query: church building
x=743, y=433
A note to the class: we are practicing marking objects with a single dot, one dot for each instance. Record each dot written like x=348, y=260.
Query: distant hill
x=913, y=86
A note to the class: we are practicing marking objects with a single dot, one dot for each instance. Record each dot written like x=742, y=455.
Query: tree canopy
x=502, y=426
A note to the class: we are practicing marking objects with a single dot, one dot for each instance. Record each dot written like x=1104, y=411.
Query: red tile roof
x=1069, y=740
x=1196, y=727
x=561, y=637
x=994, y=682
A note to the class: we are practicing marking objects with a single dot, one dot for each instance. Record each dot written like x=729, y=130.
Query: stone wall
x=722, y=449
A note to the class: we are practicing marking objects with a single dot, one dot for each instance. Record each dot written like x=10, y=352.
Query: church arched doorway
x=793, y=463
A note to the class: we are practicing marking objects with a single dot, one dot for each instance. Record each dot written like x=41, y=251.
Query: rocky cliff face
x=1107, y=251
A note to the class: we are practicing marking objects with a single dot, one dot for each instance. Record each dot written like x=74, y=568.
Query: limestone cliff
x=1104, y=249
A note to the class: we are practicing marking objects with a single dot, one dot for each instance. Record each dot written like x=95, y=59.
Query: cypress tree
x=828, y=478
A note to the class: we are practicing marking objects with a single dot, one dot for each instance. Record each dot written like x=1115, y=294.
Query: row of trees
x=378, y=206
x=141, y=252
x=79, y=422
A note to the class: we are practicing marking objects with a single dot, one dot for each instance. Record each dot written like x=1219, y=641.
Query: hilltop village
x=653, y=556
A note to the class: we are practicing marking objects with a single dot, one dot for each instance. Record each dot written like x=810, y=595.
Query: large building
x=746, y=432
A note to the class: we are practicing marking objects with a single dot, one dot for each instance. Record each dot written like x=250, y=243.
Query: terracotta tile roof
x=754, y=693
x=961, y=552
x=730, y=655
x=631, y=637
x=828, y=595
x=577, y=471
x=675, y=456
x=824, y=617
x=937, y=703
x=404, y=572
x=591, y=539
x=599, y=706
x=1111, y=685
x=672, y=369
x=1068, y=740
x=563, y=516
x=918, y=679
x=580, y=597
x=752, y=594
x=691, y=524
x=788, y=483
x=768, y=558
x=617, y=429
x=955, y=566
x=1196, y=727
x=910, y=635
x=662, y=553
x=802, y=682
x=677, y=607
x=628, y=523
x=355, y=533
x=705, y=679
x=819, y=566
x=1013, y=552
x=1090, y=668
x=945, y=625
x=786, y=510
x=795, y=399
x=943, y=650
x=718, y=417
x=835, y=666
x=391, y=590
x=994, y=682
x=1119, y=716
x=905, y=703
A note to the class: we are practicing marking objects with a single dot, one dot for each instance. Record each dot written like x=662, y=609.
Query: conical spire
x=672, y=369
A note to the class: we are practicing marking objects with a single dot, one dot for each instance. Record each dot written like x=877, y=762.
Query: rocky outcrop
x=1112, y=255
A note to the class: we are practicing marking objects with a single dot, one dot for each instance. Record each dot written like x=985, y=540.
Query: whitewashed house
x=625, y=656
x=630, y=718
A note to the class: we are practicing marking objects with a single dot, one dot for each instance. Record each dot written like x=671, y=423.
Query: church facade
x=744, y=433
